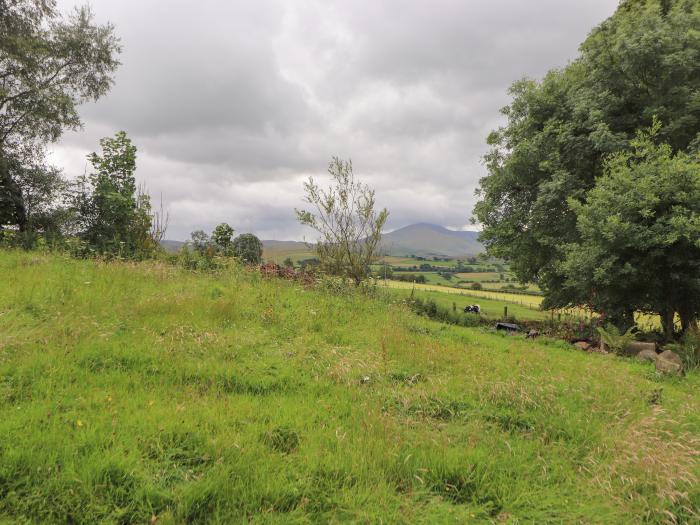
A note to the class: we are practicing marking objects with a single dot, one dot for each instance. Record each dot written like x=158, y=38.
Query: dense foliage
x=639, y=230
x=222, y=238
x=642, y=62
x=114, y=217
x=248, y=248
x=49, y=64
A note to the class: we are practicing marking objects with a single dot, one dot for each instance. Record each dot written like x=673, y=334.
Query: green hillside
x=141, y=393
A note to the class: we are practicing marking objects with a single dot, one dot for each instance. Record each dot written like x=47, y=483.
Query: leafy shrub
x=197, y=261
x=248, y=248
x=476, y=286
x=614, y=339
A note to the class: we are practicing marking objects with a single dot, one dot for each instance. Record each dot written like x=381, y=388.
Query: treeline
x=50, y=64
x=203, y=250
x=408, y=277
x=103, y=212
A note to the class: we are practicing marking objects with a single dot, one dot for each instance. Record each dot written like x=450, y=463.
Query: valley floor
x=136, y=393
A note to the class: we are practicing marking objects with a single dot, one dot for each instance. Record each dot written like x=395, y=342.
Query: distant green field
x=480, y=276
x=491, y=308
x=527, y=300
x=409, y=261
x=512, y=301
x=279, y=254
x=504, y=286
x=431, y=277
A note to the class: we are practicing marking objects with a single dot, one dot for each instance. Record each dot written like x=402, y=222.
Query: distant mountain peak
x=429, y=239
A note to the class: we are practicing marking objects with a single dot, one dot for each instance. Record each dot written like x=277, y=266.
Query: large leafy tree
x=222, y=238
x=12, y=209
x=200, y=241
x=248, y=248
x=641, y=62
x=639, y=227
x=49, y=64
x=116, y=217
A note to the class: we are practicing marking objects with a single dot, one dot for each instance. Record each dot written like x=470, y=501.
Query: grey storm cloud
x=233, y=104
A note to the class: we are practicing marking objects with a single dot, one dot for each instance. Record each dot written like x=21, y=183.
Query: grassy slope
x=127, y=392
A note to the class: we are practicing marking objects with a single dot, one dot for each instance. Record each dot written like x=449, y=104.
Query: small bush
x=198, y=261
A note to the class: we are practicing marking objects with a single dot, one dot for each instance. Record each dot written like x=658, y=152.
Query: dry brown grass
x=652, y=459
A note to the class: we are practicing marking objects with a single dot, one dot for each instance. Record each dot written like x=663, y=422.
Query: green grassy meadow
x=142, y=393
x=407, y=262
x=278, y=254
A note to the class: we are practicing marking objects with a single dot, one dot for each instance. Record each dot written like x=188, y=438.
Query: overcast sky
x=232, y=104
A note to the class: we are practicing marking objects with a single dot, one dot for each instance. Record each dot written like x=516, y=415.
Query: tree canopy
x=222, y=238
x=115, y=216
x=248, y=248
x=641, y=62
x=639, y=227
x=49, y=64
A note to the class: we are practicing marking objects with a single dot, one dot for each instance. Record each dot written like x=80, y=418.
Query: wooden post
x=505, y=312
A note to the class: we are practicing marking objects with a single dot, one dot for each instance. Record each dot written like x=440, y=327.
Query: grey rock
x=647, y=355
x=635, y=347
x=582, y=345
x=669, y=362
x=670, y=355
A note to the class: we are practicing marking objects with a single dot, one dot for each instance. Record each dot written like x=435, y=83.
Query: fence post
x=505, y=312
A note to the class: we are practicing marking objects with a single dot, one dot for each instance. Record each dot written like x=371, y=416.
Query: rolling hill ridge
x=423, y=239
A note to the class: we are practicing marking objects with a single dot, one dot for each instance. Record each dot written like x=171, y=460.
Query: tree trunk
x=689, y=321
x=667, y=323
x=12, y=209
